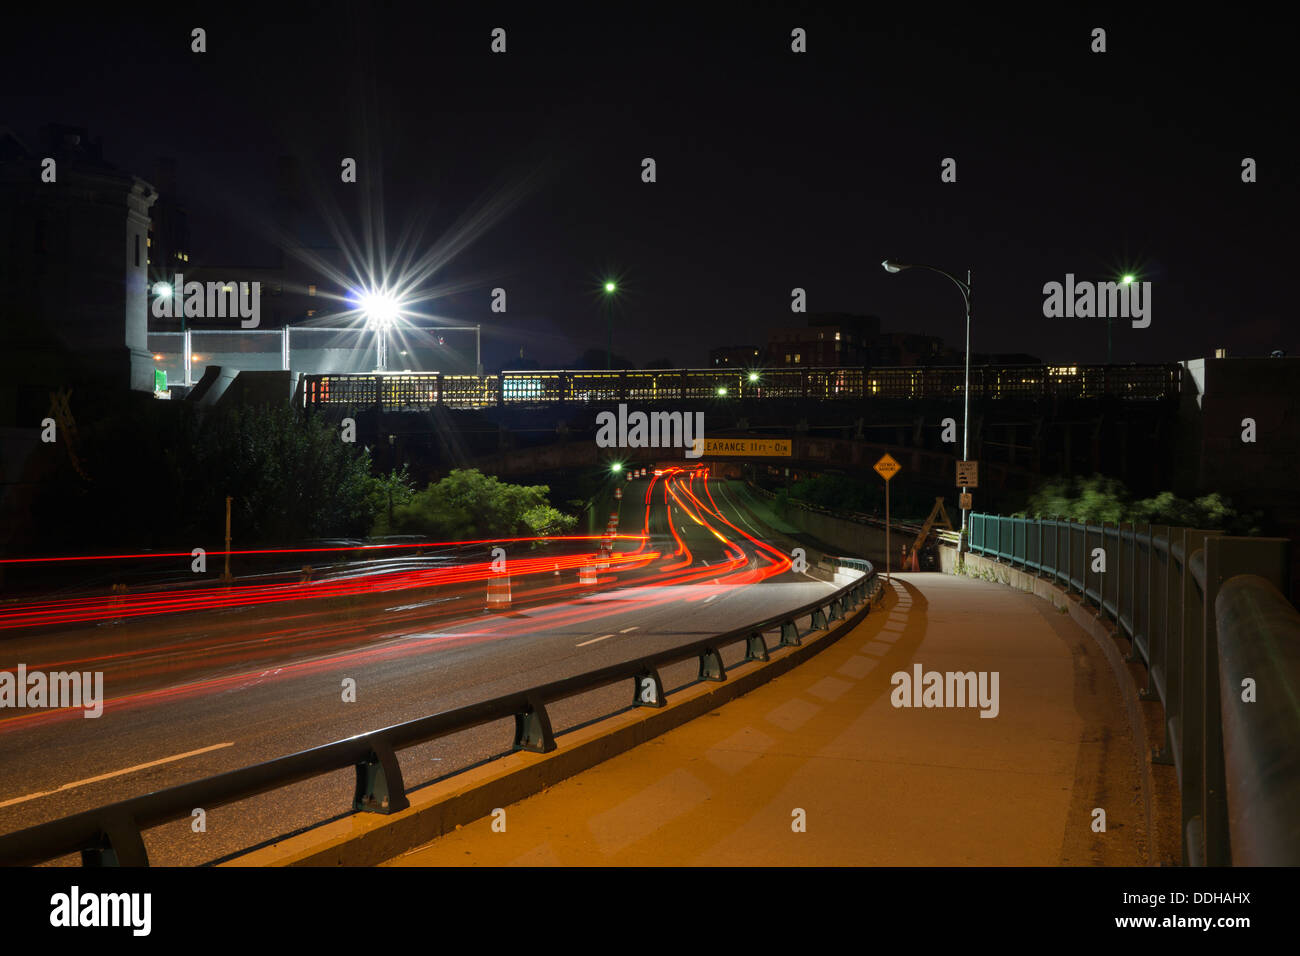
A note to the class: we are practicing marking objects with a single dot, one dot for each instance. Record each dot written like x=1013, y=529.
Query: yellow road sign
x=887, y=467
x=968, y=474
x=760, y=447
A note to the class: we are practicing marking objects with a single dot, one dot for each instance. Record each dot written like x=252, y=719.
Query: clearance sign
x=762, y=447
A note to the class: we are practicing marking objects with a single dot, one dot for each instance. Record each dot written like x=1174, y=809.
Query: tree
x=468, y=505
x=1097, y=499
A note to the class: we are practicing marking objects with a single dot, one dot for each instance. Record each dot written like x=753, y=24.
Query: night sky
x=775, y=169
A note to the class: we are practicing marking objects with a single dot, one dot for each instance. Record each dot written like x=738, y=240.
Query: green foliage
x=838, y=492
x=388, y=493
x=1099, y=499
x=468, y=505
x=289, y=475
x=160, y=473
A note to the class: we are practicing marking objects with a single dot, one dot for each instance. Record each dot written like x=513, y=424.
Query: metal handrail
x=1159, y=587
x=111, y=835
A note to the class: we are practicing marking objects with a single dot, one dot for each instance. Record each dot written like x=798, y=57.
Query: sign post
x=968, y=477
x=887, y=467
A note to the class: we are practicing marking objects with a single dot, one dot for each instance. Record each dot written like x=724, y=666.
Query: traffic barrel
x=498, y=592
x=587, y=574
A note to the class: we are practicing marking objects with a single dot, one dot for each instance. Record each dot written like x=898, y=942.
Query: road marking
x=594, y=640
x=115, y=773
x=710, y=598
x=632, y=628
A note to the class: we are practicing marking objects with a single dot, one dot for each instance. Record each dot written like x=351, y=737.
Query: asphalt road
x=194, y=694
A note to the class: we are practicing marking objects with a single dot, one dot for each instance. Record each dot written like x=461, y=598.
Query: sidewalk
x=877, y=785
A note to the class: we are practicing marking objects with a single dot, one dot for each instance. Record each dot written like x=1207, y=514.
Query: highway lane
x=406, y=664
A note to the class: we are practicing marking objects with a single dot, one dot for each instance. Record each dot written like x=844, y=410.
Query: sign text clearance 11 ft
x=887, y=467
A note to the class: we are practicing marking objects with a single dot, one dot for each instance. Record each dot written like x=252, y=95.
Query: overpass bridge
x=1024, y=419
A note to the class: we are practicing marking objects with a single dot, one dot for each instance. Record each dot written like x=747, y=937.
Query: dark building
x=74, y=269
x=735, y=356
x=829, y=339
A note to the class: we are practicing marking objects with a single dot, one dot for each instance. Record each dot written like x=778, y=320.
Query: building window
x=797, y=356
x=837, y=336
x=148, y=242
x=311, y=290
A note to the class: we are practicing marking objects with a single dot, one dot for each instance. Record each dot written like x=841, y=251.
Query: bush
x=468, y=505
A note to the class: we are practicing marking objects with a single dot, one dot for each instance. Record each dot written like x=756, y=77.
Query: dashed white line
x=115, y=773
x=594, y=640
x=632, y=628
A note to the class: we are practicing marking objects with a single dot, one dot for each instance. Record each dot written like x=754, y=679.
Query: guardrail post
x=648, y=689
x=755, y=647
x=1151, y=628
x=1186, y=702
x=379, y=782
x=837, y=610
x=818, y=619
x=711, y=665
x=533, y=729
x=1069, y=556
x=119, y=844
x=789, y=634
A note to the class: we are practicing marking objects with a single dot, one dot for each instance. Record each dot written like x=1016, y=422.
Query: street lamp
x=381, y=312
x=892, y=266
x=610, y=288
x=1127, y=280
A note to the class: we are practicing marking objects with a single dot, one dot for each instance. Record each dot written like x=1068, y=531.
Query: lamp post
x=381, y=312
x=965, y=287
x=610, y=288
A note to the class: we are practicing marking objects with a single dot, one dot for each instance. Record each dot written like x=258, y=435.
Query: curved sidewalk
x=874, y=784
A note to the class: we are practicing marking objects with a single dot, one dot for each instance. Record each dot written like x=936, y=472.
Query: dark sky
x=775, y=170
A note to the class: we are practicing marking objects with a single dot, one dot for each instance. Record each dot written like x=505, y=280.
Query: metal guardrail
x=1026, y=382
x=1259, y=645
x=1176, y=595
x=111, y=835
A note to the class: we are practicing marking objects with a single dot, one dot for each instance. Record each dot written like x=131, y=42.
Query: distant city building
x=292, y=291
x=735, y=356
x=829, y=339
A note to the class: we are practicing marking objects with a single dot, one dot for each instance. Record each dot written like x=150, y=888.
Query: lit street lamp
x=381, y=312
x=892, y=266
x=610, y=289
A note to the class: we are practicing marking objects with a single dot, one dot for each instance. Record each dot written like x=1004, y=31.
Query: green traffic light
x=610, y=287
x=616, y=467
x=1128, y=279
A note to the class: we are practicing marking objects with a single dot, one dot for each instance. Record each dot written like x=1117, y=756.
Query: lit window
x=797, y=356
x=837, y=336
x=311, y=312
x=311, y=290
x=148, y=242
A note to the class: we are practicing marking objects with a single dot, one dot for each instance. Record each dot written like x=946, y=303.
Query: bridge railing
x=523, y=388
x=112, y=835
x=1200, y=611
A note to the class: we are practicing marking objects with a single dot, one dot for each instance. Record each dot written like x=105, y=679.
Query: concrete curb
x=1160, y=851
x=366, y=839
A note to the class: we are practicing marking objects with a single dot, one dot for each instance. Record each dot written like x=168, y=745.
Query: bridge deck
x=879, y=785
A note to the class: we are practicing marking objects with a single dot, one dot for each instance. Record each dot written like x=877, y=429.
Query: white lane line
x=632, y=628
x=594, y=640
x=115, y=773
x=711, y=597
